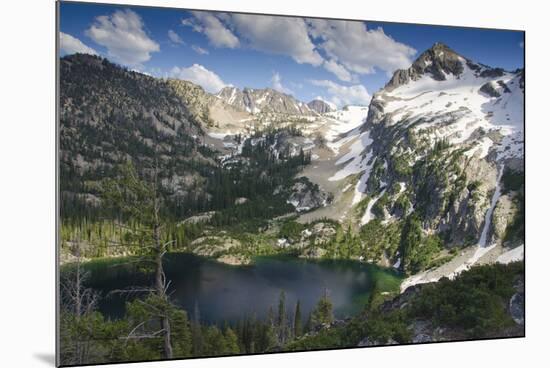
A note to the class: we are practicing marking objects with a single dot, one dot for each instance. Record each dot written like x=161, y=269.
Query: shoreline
x=471, y=256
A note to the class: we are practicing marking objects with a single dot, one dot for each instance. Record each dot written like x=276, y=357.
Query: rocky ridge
x=265, y=100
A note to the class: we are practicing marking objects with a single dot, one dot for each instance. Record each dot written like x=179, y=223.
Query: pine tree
x=281, y=319
x=137, y=198
x=196, y=332
x=298, y=330
x=322, y=314
x=231, y=342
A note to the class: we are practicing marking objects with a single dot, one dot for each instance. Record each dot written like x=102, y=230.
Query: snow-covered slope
x=463, y=108
x=441, y=129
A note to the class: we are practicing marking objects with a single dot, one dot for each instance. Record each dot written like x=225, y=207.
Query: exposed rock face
x=209, y=111
x=320, y=106
x=305, y=196
x=213, y=246
x=323, y=232
x=495, y=88
x=489, y=89
x=263, y=101
x=436, y=61
x=503, y=215
x=234, y=260
x=441, y=130
x=200, y=218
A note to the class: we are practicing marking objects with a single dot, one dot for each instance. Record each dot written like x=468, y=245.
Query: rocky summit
x=320, y=106
x=263, y=100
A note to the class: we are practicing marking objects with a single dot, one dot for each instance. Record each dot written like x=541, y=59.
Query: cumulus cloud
x=344, y=48
x=123, y=34
x=217, y=33
x=338, y=70
x=72, y=45
x=199, y=50
x=198, y=74
x=359, y=49
x=174, y=37
x=277, y=35
x=277, y=84
x=342, y=95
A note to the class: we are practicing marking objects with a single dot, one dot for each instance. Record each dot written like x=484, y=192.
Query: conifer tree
x=298, y=330
x=281, y=319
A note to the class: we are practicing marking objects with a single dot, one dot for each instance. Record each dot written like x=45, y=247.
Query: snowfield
x=455, y=108
x=513, y=255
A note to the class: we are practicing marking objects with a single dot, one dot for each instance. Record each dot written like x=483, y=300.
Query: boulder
x=305, y=196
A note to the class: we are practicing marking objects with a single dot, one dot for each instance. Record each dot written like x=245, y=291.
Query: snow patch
x=514, y=255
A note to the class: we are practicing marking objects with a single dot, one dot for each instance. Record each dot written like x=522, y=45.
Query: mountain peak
x=265, y=100
x=440, y=46
x=320, y=106
x=438, y=61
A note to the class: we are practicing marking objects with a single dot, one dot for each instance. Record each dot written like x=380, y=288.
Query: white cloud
x=338, y=70
x=72, y=45
x=344, y=48
x=359, y=49
x=277, y=35
x=198, y=74
x=344, y=95
x=174, y=37
x=277, y=84
x=216, y=32
x=199, y=50
x=123, y=34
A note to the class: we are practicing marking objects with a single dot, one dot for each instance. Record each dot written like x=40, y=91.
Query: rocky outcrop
x=234, y=259
x=265, y=100
x=503, y=215
x=320, y=106
x=211, y=112
x=437, y=61
x=305, y=196
x=200, y=218
x=495, y=88
x=446, y=158
x=213, y=246
x=489, y=89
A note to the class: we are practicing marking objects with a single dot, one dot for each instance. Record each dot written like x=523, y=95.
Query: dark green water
x=229, y=293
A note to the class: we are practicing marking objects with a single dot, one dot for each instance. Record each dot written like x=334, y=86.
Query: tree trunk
x=160, y=284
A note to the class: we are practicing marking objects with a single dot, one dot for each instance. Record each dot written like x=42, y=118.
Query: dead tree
x=77, y=302
x=137, y=199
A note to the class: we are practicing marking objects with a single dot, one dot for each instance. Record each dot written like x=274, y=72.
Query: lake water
x=230, y=293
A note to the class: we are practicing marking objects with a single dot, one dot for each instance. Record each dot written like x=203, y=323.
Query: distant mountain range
x=265, y=100
x=442, y=142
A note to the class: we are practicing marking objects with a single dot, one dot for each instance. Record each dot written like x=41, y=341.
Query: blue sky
x=344, y=62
